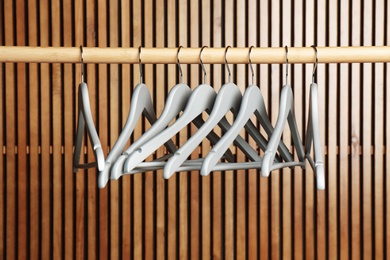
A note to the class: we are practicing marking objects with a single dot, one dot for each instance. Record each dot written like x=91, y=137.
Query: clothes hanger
x=201, y=100
x=85, y=122
x=175, y=103
x=286, y=113
x=252, y=103
x=141, y=104
x=228, y=99
x=313, y=132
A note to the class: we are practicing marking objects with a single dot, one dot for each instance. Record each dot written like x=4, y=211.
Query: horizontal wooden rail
x=85, y=150
x=262, y=55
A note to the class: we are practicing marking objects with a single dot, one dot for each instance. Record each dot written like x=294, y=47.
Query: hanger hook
x=250, y=65
x=140, y=64
x=201, y=64
x=286, y=64
x=316, y=63
x=226, y=62
x=82, y=63
x=178, y=64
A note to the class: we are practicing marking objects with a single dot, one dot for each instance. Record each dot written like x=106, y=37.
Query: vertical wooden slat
x=332, y=137
x=81, y=248
x=160, y=89
x=139, y=221
x=2, y=157
x=275, y=200
x=229, y=188
x=57, y=134
x=33, y=136
x=103, y=217
x=264, y=183
x=252, y=175
x=171, y=238
x=46, y=169
x=69, y=132
x=356, y=140
x=205, y=239
x=240, y=188
x=299, y=89
x=344, y=129
x=183, y=177
x=285, y=200
x=321, y=218
x=10, y=211
x=309, y=229
x=387, y=143
x=22, y=138
x=378, y=137
x=114, y=130
x=195, y=33
x=149, y=177
x=367, y=139
x=126, y=224
x=216, y=179
x=91, y=177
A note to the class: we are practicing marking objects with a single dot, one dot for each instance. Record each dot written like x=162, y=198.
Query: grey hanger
x=85, y=122
x=286, y=114
x=313, y=132
x=141, y=104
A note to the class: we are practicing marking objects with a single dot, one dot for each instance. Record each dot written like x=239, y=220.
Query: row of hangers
x=191, y=104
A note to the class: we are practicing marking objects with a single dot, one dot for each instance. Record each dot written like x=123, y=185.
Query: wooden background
x=48, y=212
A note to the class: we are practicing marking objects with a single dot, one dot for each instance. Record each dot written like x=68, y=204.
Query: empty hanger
x=141, y=104
x=313, y=132
x=286, y=113
x=85, y=120
x=228, y=99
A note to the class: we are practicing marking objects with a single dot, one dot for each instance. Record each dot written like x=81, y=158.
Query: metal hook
x=286, y=64
x=82, y=63
x=140, y=64
x=250, y=65
x=178, y=64
x=201, y=64
x=226, y=62
x=316, y=63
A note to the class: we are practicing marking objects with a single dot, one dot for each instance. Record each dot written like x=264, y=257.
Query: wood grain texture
x=47, y=211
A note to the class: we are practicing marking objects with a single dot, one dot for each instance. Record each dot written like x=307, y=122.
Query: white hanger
x=229, y=98
x=286, y=113
x=141, y=103
x=85, y=120
x=252, y=103
x=176, y=102
x=313, y=133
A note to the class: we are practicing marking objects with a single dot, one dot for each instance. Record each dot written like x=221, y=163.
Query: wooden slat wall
x=47, y=211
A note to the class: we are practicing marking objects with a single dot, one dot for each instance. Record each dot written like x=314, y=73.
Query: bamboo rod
x=262, y=55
